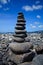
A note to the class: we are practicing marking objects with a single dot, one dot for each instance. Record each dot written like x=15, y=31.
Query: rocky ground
x=21, y=54
x=27, y=53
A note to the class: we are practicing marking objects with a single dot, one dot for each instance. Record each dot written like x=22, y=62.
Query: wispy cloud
x=38, y=16
x=32, y=26
x=4, y=1
x=40, y=26
x=27, y=8
x=0, y=6
x=36, y=22
x=31, y=8
x=37, y=2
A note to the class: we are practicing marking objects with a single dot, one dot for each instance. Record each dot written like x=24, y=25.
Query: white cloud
x=0, y=6
x=4, y=1
x=40, y=26
x=37, y=2
x=27, y=8
x=38, y=16
x=32, y=26
x=31, y=8
x=36, y=22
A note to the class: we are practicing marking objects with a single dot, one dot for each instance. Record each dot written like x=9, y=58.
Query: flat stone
x=20, y=23
x=20, y=47
x=20, y=35
x=20, y=31
x=20, y=27
x=19, y=20
x=18, y=39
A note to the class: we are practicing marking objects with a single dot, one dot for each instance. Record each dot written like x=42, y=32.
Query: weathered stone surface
x=27, y=39
x=4, y=53
x=38, y=60
x=20, y=31
x=39, y=49
x=28, y=57
x=4, y=46
x=20, y=58
x=20, y=48
x=20, y=27
x=18, y=39
x=20, y=23
x=19, y=20
x=20, y=35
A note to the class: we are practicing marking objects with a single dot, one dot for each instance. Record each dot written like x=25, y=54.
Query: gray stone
x=28, y=57
x=20, y=23
x=20, y=48
x=20, y=58
x=20, y=31
x=20, y=27
x=38, y=60
x=39, y=49
x=18, y=39
x=20, y=35
x=27, y=39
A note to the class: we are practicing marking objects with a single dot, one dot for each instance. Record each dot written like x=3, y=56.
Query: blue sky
x=33, y=13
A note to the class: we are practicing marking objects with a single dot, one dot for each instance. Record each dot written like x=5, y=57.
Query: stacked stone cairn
x=21, y=50
x=20, y=32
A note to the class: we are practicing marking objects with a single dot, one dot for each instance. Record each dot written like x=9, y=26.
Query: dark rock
x=20, y=58
x=38, y=60
x=39, y=49
x=28, y=57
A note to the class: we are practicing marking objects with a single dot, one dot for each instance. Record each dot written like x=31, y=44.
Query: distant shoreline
x=41, y=31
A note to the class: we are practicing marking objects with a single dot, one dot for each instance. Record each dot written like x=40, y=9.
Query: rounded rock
x=20, y=58
x=39, y=49
x=38, y=60
x=20, y=47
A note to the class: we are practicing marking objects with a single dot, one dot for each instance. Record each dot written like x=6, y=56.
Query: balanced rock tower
x=20, y=50
x=20, y=32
